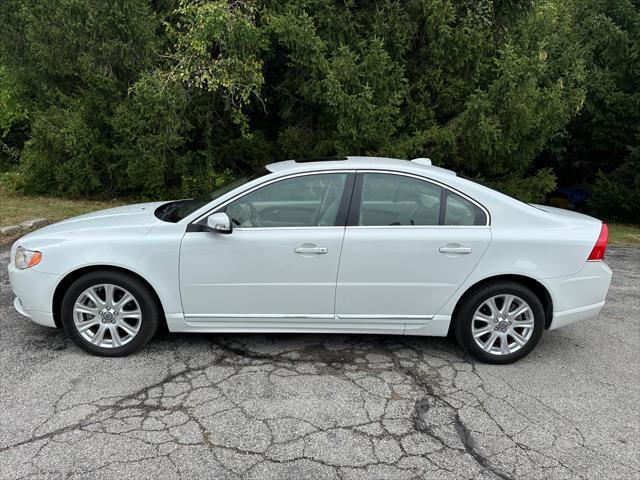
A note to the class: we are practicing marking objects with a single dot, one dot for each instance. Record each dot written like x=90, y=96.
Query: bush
x=194, y=186
x=617, y=196
x=11, y=182
x=531, y=189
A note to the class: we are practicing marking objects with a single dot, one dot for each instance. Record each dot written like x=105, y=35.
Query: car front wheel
x=110, y=313
x=500, y=322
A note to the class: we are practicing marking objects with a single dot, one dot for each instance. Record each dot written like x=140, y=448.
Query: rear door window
x=388, y=199
x=398, y=200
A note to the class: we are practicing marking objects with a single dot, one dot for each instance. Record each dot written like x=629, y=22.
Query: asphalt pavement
x=325, y=406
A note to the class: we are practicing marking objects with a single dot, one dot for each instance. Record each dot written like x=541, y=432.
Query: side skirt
x=436, y=326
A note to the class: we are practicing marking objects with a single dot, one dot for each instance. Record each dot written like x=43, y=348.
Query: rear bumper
x=580, y=296
x=567, y=317
x=34, y=294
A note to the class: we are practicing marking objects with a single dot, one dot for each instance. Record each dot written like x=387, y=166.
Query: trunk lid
x=569, y=215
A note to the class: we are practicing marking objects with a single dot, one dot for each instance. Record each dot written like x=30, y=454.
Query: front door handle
x=311, y=249
x=454, y=248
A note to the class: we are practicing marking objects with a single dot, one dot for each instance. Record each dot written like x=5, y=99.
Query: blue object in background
x=575, y=195
x=568, y=197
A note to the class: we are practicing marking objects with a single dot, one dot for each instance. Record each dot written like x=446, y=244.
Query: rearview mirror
x=219, y=222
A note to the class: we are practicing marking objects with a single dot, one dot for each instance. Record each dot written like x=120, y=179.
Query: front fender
x=153, y=256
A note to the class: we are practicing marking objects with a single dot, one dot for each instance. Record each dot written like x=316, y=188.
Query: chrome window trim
x=414, y=227
x=254, y=229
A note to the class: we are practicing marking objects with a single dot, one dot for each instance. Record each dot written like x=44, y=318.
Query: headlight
x=27, y=258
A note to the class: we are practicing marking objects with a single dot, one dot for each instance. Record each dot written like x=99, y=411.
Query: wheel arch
x=534, y=285
x=72, y=276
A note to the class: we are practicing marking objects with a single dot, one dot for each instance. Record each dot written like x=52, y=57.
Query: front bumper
x=34, y=294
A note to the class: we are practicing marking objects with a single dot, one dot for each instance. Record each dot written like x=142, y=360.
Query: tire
x=126, y=324
x=482, y=316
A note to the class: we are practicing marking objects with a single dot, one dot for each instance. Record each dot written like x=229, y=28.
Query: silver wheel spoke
x=486, y=346
x=519, y=311
x=518, y=338
x=131, y=314
x=93, y=296
x=127, y=328
x=127, y=297
x=481, y=317
x=482, y=331
x=491, y=303
x=85, y=309
x=523, y=324
x=506, y=304
x=84, y=326
x=115, y=336
x=504, y=345
x=108, y=294
x=99, y=335
x=492, y=328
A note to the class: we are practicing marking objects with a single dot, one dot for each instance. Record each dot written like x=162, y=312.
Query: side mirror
x=220, y=223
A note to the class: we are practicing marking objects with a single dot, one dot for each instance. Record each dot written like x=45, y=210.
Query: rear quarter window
x=460, y=211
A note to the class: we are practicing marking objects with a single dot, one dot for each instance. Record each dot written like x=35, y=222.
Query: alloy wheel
x=107, y=315
x=502, y=324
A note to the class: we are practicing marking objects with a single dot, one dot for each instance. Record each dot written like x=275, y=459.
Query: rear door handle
x=455, y=248
x=311, y=250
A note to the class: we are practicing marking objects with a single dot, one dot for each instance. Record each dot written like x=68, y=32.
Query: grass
x=623, y=234
x=18, y=208
x=15, y=208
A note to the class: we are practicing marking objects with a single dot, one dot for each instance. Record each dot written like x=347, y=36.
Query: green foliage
x=147, y=128
x=12, y=120
x=64, y=152
x=166, y=98
x=531, y=189
x=600, y=142
x=194, y=186
x=617, y=196
x=216, y=48
x=11, y=111
x=74, y=61
x=11, y=182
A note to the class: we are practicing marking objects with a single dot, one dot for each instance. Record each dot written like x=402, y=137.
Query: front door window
x=304, y=201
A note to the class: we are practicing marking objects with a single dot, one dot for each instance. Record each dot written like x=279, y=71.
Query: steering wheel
x=253, y=213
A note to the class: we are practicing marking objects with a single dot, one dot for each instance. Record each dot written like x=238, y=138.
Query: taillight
x=601, y=245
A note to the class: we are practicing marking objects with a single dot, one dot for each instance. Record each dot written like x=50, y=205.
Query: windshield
x=179, y=209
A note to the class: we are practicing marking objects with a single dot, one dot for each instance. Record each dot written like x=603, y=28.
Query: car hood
x=140, y=215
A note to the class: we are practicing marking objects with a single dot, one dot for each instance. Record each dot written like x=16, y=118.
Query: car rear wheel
x=499, y=322
x=110, y=313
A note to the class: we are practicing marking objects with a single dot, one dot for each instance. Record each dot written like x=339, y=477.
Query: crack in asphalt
x=290, y=406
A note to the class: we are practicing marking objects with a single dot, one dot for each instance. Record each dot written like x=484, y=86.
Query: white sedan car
x=351, y=245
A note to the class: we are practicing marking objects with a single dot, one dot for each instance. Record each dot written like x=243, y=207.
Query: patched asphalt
x=325, y=406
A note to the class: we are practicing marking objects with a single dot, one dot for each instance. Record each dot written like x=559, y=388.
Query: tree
x=127, y=97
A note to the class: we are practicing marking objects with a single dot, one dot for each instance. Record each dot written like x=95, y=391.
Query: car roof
x=348, y=163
